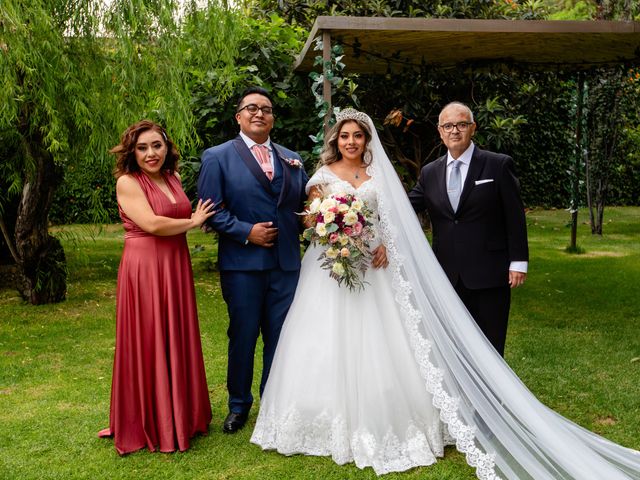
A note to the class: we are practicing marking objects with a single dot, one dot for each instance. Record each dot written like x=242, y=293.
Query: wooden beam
x=372, y=44
x=326, y=85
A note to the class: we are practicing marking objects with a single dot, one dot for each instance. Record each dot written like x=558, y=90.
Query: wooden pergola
x=380, y=45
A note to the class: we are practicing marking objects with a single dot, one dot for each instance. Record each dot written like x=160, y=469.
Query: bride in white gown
x=387, y=376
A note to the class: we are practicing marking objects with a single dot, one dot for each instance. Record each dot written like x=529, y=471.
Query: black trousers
x=489, y=307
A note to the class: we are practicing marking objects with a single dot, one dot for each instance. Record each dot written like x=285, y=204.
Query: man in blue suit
x=260, y=187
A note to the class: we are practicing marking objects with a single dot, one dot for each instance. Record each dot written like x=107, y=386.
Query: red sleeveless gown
x=159, y=395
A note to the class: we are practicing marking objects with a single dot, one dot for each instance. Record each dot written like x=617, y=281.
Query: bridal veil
x=503, y=430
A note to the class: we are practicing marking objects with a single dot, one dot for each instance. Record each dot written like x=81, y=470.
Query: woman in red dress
x=159, y=395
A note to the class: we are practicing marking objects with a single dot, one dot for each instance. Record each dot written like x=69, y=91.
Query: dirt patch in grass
x=603, y=254
x=608, y=420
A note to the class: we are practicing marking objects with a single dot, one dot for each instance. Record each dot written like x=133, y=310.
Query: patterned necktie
x=262, y=155
x=455, y=184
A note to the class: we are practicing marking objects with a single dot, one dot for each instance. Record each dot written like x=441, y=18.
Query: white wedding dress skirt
x=344, y=382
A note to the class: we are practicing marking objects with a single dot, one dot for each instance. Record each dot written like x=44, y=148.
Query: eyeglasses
x=461, y=126
x=252, y=108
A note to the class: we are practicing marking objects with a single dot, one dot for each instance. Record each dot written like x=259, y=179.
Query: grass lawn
x=574, y=339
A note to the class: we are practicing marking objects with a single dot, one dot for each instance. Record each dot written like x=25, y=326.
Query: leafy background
x=527, y=115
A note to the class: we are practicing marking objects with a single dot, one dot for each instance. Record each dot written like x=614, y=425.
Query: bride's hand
x=309, y=220
x=380, y=257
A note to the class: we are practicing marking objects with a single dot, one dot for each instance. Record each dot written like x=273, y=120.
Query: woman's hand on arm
x=133, y=202
x=203, y=211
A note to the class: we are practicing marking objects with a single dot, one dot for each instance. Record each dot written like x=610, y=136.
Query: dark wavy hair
x=125, y=150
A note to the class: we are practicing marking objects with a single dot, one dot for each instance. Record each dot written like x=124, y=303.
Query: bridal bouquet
x=341, y=223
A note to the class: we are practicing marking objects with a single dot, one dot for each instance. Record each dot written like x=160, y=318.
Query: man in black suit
x=473, y=200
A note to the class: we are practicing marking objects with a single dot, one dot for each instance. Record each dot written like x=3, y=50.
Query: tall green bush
x=72, y=77
x=267, y=49
x=528, y=115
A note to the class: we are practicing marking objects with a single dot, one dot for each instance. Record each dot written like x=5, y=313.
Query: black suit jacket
x=489, y=230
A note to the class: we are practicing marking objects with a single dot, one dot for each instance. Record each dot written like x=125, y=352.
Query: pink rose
x=333, y=238
x=348, y=231
x=358, y=228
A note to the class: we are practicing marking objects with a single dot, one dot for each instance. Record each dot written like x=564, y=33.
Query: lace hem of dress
x=326, y=435
x=433, y=376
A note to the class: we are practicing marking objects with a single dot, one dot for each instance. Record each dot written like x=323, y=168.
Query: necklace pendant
x=357, y=176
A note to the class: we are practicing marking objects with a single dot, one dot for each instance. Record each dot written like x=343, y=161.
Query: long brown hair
x=125, y=150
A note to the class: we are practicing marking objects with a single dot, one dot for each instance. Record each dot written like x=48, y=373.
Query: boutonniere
x=293, y=162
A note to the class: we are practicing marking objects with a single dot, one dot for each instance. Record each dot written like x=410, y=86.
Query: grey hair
x=456, y=104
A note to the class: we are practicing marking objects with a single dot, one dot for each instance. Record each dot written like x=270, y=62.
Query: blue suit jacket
x=231, y=177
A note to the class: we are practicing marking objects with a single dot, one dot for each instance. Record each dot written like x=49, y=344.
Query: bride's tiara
x=351, y=114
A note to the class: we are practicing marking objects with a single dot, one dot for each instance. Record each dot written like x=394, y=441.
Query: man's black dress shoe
x=234, y=422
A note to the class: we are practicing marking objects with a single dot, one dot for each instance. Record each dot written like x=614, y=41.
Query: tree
x=611, y=100
x=72, y=76
x=605, y=96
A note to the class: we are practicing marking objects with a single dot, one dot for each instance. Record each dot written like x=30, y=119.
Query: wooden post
x=575, y=191
x=326, y=85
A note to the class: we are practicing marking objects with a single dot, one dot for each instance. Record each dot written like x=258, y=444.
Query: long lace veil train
x=503, y=430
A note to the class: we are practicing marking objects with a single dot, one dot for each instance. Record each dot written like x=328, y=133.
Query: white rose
x=338, y=269
x=357, y=205
x=315, y=205
x=321, y=229
x=327, y=204
x=350, y=218
x=331, y=253
x=343, y=240
x=343, y=208
x=329, y=217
